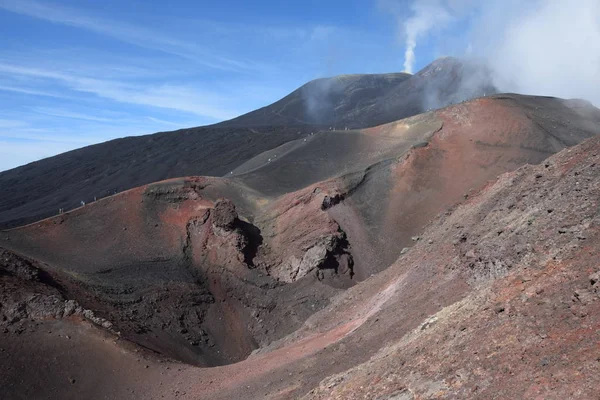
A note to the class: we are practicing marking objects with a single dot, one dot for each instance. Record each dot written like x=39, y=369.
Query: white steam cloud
x=550, y=48
x=541, y=47
x=427, y=16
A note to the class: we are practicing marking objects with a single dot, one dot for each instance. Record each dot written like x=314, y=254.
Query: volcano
x=38, y=190
x=449, y=253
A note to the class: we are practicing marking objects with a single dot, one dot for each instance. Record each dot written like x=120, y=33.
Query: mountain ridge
x=40, y=189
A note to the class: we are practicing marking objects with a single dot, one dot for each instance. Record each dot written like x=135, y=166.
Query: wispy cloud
x=100, y=116
x=21, y=142
x=33, y=92
x=15, y=153
x=43, y=130
x=28, y=135
x=54, y=112
x=163, y=122
x=128, y=33
x=175, y=97
x=72, y=73
x=35, y=72
x=10, y=124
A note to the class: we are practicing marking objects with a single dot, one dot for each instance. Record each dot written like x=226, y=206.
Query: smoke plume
x=320, y=96
x=541, y=47
x=427, y=16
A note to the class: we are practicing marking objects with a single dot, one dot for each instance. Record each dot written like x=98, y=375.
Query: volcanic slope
x=208, y=270
x=511, y=307
x=358, y=101
x=39, y=189
x=400, y=175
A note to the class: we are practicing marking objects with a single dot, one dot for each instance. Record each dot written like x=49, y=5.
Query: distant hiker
x=94, y=198
x=82, y=203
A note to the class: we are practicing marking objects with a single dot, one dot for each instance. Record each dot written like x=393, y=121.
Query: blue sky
x=73, y=73
x=77, y=72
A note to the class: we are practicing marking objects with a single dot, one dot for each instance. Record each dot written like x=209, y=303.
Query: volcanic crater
x=321, y=259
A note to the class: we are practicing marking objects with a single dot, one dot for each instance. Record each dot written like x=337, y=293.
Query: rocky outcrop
x=220, y=239
x=29, y=293
x=302, y=239
x=329, y=255
x=224, y=215
x=17, y=266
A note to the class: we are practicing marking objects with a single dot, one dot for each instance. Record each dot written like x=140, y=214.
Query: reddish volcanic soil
x=478, y=141
x=523, y=256
x=175, y=270
x=407, y=262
